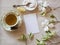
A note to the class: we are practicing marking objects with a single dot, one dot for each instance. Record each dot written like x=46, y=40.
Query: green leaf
x=38, y=43
x=23, y=38
x=31, y=36
x=52, y=21
x=42, y=42
x=48, y=31
x=46, y=37
x=43, y=13
x=37, y=40
x=52, y=16
x=52, y=33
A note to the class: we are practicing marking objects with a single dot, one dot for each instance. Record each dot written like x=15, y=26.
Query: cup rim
x=6, y=16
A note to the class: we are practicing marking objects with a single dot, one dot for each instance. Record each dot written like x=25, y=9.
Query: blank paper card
x=31, y=23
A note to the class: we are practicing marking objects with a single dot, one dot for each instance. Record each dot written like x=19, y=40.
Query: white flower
x=51, y=25
x=43, y=9
x=42, y=5
x=45, y=22
x=40, y=2
x=46, y=28
x=45, y=4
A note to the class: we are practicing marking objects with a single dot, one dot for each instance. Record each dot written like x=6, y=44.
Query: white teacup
x=11, y=19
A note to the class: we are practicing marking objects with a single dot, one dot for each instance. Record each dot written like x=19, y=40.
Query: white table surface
x=10, y=38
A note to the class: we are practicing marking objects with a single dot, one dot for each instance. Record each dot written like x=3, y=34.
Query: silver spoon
x=21, y=5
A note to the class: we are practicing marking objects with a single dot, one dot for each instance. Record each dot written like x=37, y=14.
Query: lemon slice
x=21, y=9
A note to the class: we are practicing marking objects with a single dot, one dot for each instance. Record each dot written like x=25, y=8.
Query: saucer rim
x=30, y=9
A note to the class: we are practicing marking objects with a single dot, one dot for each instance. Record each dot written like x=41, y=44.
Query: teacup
x=11, y=20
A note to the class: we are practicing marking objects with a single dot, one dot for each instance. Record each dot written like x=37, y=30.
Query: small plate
x=33, y=3
x=8, y=28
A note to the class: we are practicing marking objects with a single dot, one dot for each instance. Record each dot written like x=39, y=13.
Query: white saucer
x=8, y=28
x=33, y=2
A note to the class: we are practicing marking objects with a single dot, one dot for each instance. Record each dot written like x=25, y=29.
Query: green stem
x=56, y=8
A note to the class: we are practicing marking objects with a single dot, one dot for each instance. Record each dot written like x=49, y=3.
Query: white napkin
x=31, y=23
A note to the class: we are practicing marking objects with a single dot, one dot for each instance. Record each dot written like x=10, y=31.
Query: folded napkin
x=31, y=23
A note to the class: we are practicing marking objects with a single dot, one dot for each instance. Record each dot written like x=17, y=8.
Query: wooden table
x=10, y=38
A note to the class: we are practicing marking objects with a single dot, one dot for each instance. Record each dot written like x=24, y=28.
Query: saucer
x=32, y=6
x=8, y=28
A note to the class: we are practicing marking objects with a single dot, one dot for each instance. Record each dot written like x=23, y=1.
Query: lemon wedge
x=21, y=9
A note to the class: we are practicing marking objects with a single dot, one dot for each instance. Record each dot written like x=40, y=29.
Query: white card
x=31, y=23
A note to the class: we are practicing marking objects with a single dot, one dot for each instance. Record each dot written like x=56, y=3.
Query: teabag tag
x=31, y=23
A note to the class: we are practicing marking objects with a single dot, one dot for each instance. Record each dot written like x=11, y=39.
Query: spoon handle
x=18, y=5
